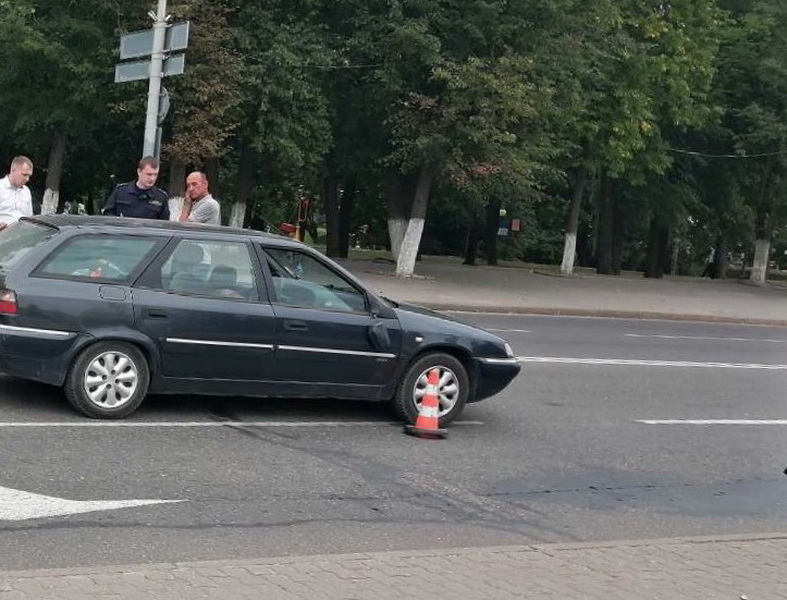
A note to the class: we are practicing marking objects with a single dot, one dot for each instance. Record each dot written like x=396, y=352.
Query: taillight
x=7, y=302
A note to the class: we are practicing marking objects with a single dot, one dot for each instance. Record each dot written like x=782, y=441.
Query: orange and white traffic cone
x=427, y=424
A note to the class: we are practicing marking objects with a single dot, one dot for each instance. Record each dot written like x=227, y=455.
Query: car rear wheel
x=108, y=380
x=453, y=387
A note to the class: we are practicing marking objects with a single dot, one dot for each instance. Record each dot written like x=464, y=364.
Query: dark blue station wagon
x=111, y=309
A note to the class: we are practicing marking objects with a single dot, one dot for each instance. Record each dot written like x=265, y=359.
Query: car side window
x=299, y=279
x=219, y=269
x=97, y=257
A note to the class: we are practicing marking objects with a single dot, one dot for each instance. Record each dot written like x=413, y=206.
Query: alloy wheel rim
x=447, y=389
x=111, y=379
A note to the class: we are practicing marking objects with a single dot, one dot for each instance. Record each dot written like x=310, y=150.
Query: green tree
x=752, y=90
x=641, y=70
x=284, y=126
x=57, y=62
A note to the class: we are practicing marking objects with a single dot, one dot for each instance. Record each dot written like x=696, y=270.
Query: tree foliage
x=585, y=107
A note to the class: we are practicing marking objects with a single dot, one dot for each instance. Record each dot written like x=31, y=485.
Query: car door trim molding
x=337, y=351
x=218, y=343
x=275, y=347
x=34, y=331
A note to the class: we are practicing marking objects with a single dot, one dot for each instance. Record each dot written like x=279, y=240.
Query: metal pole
x=154, y=85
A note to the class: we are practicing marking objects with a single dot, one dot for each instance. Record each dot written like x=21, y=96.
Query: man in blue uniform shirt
x=140, y=198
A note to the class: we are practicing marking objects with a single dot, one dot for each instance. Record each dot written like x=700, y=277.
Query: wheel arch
x=130, y=336
x=461, y=354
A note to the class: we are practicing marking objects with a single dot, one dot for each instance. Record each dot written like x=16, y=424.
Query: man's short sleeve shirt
x=127, y=200
x=206, y=210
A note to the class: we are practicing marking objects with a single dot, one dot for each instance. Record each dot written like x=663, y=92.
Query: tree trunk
x=398, y=209
x=572, y=222
x=405, y=265
x=177, y=179
x=719, y=266
x=618, y=237
x=658, y=241
x=54, y=172
x=490, y=233
x=330, y=197
x=759, y=267
x=176, y=188
x=674, y=256
x=471, y=245
x=243, y=186
x=345, y=217
x=211, y=169
x=604, y=260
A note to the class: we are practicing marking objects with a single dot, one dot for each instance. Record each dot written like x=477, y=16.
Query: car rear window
x=100, y=257
x=19, y=238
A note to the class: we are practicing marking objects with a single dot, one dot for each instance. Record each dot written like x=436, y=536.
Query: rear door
x=323, y=322
x=200, y=303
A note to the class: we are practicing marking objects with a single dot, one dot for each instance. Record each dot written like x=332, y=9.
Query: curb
x=367, y=556
x=599, y=312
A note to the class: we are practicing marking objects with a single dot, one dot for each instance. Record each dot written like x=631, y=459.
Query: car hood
x=427, y=312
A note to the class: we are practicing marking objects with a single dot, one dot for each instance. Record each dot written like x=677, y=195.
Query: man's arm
x=186, y=210
x=203, y=213
x=110, y=206
x=164, y=216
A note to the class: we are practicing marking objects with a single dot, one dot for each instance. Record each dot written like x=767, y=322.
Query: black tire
x=453, y=389
x=108, y=380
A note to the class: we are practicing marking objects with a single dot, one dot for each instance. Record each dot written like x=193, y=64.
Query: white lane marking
x=647, y=363
x=16, y=505
x=704, y=338
x=214, y=423
x=713, y=421
x=510, y=330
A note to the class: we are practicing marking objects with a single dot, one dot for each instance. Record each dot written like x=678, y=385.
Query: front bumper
x=493, y=375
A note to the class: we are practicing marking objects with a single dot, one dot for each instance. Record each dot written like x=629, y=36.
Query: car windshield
x=18, y=238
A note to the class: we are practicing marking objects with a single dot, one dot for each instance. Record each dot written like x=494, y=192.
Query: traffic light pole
x=150, y=148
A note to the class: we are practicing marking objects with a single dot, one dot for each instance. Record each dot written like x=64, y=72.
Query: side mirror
x=379, y=310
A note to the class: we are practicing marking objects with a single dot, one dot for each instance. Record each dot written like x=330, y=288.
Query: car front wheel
x=108, y=380
x=453, y=387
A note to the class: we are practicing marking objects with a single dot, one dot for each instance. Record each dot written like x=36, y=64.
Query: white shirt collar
x=6, y=183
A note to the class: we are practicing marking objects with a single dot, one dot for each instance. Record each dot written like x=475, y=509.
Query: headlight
x=509, y=351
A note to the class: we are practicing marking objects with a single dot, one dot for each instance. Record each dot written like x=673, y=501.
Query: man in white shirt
x=198, y=205
x=15, y=199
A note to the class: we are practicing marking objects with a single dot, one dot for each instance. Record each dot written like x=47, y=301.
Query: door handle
x=157, y=314
x=295, y=326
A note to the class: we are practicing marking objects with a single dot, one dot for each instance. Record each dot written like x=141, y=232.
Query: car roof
x=111, y=223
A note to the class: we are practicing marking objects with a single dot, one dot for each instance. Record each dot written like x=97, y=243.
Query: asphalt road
x=591, y=442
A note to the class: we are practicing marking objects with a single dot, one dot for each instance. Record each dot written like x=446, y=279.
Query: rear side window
x=98, y=257
x=17, y=239
x=219, y=269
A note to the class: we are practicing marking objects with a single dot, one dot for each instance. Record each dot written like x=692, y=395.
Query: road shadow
x=232, y=408
x=19, y=397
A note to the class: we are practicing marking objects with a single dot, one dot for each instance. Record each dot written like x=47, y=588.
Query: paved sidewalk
x=729, y=568
x=444, y=283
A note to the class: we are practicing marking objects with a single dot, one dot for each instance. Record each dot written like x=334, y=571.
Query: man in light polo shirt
x=198, y=205
x=15, y=199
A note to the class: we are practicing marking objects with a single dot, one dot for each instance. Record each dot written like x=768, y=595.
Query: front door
x=323, y=341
